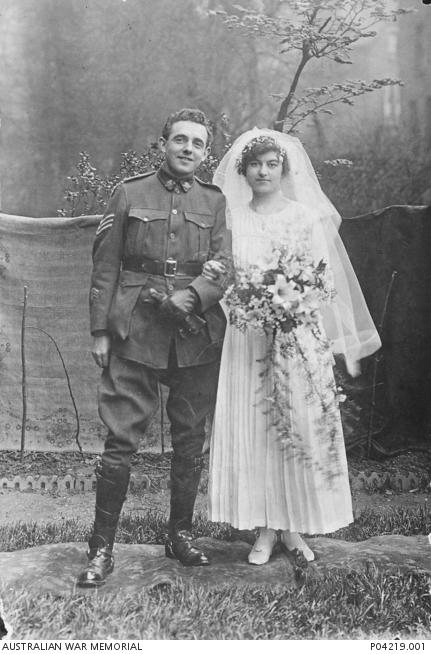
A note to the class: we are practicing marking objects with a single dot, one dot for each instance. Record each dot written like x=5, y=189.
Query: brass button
x=172, y=236
x=174, y=211
x=170, y=287
x=145, y=220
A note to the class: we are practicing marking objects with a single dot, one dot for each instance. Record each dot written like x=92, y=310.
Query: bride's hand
x=213, y=269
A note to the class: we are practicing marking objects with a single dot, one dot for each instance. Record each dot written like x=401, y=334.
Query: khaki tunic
x=144, y=219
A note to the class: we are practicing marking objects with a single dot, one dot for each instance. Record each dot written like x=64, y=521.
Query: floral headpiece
x=264, y=139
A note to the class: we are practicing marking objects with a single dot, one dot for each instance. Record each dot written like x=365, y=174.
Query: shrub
x=387, y=168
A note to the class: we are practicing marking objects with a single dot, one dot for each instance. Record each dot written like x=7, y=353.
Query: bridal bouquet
x=282, y=297
x=280, y=301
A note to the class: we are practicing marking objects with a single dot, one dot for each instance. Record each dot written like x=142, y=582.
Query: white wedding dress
x=254, y=480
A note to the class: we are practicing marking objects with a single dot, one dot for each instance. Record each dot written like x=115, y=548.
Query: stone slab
x=53, y=568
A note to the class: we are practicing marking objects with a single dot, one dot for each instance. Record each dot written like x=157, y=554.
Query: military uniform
x=150, y=220
x=156, y=233
x=146, y=222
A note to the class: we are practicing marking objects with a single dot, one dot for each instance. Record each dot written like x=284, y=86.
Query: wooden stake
x=162, y=420
x=24, y=379
x=376, y=363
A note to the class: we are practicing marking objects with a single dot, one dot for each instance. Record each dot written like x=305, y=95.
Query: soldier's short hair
x=194, y=116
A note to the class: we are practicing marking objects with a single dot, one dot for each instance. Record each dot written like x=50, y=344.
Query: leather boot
x=112, y=484
x=185, y=476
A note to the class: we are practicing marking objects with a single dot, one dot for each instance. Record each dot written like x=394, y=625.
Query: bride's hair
x=257, y=146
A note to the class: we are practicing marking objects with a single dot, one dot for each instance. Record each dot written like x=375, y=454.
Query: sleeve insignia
x=106, y=223
x=94, y=294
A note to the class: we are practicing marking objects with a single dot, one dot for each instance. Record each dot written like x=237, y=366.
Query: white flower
x=256, y=277
x=284, y=293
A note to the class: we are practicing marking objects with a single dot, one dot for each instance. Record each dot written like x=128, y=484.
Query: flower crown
x=265, y=140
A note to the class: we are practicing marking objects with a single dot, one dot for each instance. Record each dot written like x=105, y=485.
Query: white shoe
x=262, y=549
x=292, y=541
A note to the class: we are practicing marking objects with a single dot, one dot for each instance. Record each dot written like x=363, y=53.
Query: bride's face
x=264, y=173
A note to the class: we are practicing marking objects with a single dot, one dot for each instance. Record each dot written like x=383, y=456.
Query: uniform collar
x=172, y=183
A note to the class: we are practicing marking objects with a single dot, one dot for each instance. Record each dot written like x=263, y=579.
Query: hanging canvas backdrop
x=52, y=258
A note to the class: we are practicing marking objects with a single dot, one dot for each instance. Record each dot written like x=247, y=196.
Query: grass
x=151, y=527
x=406, y=521
x=355, y=605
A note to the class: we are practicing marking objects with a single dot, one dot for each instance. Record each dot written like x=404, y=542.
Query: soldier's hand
x=179, y=305
x=213, y=269
x=158, y=296
x=184, y=300
x=101, y=349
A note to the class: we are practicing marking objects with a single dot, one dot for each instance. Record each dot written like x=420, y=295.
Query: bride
x=299, y=485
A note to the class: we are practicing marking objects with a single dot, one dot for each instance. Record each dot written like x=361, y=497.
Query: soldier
x=155, y=318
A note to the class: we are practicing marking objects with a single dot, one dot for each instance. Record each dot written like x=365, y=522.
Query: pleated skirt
x=255, y=481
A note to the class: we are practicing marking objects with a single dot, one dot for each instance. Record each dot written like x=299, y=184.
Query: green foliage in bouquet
x=284, y=296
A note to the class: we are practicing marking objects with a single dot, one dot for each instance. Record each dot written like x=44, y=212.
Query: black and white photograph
x=215, y=315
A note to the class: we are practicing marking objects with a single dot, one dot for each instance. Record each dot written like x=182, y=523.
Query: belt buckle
x=170, y=267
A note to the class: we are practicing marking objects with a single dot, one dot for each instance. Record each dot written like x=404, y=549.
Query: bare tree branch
x=316, y=35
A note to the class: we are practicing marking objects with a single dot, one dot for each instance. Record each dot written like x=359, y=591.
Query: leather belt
x=168, y=268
